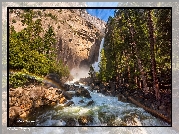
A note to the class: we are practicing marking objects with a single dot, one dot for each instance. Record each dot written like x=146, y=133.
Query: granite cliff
x=78, y=34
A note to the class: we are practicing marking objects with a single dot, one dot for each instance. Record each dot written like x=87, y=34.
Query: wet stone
x=69, y=103
x=70, y=122
x=90, y=103
x=84, y=120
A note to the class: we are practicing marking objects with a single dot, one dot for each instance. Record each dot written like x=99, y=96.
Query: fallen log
x=153, y=112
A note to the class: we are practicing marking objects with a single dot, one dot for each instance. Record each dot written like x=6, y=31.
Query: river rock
x=81, y=101
x=69, y=104
x=84, y=120
x=96, y=88
x=122, y=98
x=62, y=100
x=67, y=95
x=77, y=83
x=22, y=102
x=82, y=92
x=103, y=90
x=92, y=85
x=14, y=113
x=90, y=103
x=70, y=122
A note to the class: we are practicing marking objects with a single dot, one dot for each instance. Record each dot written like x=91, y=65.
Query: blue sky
x=102, y=13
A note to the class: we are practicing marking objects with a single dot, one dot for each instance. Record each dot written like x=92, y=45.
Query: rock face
x=22, y=101
x=78, y=33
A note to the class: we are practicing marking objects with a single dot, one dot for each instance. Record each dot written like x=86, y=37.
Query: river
x=104, y=111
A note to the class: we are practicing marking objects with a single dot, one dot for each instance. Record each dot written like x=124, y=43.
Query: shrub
x=13, y=21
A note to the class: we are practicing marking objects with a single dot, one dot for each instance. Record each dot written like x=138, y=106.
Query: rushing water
x=105, y=111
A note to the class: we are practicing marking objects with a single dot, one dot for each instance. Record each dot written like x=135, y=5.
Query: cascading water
x=95, y=65
x=104, y=111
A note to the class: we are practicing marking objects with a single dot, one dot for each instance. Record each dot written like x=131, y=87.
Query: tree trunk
x=129, y=75
x=151, y=37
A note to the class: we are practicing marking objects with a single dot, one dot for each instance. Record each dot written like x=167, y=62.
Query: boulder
x=77, y=83
x=84, y=120
x=70, y=122
x=122, y=98
x=67, y=95
x=62, y=100
x=81, y=101
x=90, y=103
x=69, y=104
x=82, y=92
x=14, y=114
x=96, y=88
x=103, y=90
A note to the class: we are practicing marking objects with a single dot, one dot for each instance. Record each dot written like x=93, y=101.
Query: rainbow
x=36, y=77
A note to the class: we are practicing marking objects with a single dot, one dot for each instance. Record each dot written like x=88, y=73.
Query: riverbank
x=159, y=108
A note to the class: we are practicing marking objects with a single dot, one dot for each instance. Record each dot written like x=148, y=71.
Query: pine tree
x=102, y=65
x=151, y=38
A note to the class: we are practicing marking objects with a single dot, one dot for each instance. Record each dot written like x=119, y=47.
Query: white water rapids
x=106, y=111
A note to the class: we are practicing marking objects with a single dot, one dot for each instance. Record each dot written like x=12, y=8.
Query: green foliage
x=39, y=13
x=91, y=72
x=11, y=11
x=30, y=52
x=17, y=79
x=13, y=21
x=52, y=16
x=60, y=69
x=102, y=73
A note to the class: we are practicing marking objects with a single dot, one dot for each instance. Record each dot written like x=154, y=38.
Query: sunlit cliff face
x=78, y=33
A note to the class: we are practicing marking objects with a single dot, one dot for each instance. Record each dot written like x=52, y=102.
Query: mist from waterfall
x=78, y=73
x=96, y=64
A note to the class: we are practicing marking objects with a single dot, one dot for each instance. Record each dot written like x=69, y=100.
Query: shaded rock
x=96, y=88
x=81, y=101
x=122, y=98
x=69, y=103
x=70, y=122
x=68, y=95
x=90, y=103
x=66, y=87
x=92, y=85
x=84, y=120
x=14, y=113
x=103, y=90
x=82, y=92
x=77, y=83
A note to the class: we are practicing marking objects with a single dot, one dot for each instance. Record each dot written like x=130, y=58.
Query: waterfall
x=95, y=65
